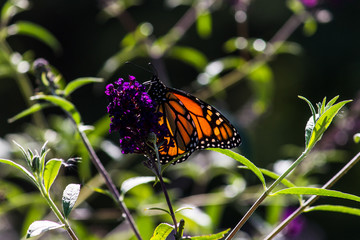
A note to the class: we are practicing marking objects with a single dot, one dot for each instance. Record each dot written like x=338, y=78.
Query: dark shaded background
x=328, y=66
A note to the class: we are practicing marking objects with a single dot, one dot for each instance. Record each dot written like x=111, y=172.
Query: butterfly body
x=192, y=123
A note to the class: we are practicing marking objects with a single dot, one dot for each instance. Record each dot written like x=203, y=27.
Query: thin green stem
x=312, y=199
x=266, y=193
x=56, y=211
x=163, y=187
x=101, y=169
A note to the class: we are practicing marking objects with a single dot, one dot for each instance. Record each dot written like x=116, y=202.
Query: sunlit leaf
x=189, y=55
x=33, y=109
x=63, y=103
x=21, y=168
x=323, y=122
x=133, y=182
x=317, y=192
x=70, y=195
x=35, y=31
x=159, y=209
x=77, y=83
x=214, y=236
x=51, y=171
x=273, y=175
x=335, y=208
x=243, y=160
x=162, y=231
x=38, y=227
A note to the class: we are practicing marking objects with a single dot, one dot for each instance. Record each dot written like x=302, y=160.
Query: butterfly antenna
x=138, y=66
x=154, y=71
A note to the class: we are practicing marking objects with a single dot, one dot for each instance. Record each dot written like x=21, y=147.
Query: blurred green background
x=320, y=58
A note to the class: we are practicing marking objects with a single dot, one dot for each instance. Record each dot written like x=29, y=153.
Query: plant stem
x=96, y=161
x=163, y=187
x=312, y=199
x=56, y=211
x=266, y=193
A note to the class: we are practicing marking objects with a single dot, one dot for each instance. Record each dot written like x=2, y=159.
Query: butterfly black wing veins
x=205, y=126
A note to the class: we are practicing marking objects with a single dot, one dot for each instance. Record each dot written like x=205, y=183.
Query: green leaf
x=214, y=236
x=35, y=31
x=42, y=161
x=189, y=55
x=51, y=171
x=317, y=192
x=323, y=122
x=204, y=24
x=70, y=195
x=331, y=102
x=33, y=109
x=11, y=8
x=162, y=231
x=335, y=208
x=275, y=176
x=28, y=155
x=79, y=82
x=21, y=168
x=243, y=160
x=158, y=209
x=38, y=227
x=133, y=182
x=63, y=103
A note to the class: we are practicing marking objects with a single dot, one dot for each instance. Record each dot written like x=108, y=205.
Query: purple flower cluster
x=133, y=115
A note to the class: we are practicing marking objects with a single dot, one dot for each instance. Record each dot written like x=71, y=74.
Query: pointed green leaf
x=63, y=103
x=35, y=31
x=243, y=160
x=28, y=155
x=21, y=168
x=42, y=162
x=313, y=112
x=70, y=195
x=51, y=171
x=79, y=82
x=323, y=122
x=317, y=192
x=158, y=209
x=275, y=176
x=331, y=102
x=162, y=231
x=335, y=208
x=214, y=236
x=38, y=227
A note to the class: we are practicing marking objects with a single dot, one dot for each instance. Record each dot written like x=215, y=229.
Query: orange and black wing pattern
x=192, y=123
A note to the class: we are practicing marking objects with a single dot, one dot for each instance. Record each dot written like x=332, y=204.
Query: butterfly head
x=157, y=90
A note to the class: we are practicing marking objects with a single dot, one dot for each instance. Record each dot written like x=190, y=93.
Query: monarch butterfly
x=192, y=123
